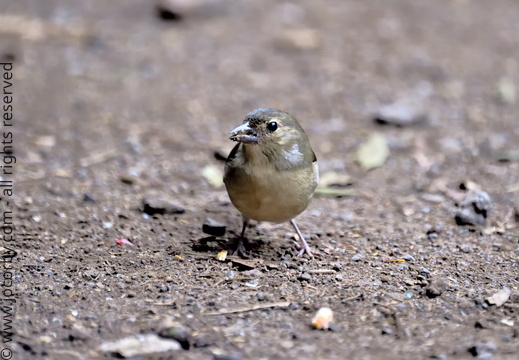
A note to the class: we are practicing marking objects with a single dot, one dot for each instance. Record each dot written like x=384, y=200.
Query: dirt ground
x=116, y=102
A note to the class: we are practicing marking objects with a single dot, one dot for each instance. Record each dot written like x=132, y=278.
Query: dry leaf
x=213, y=174
x=222, y=255
x=374, y=152
x=332, y=191
x=333, y=178
x=506, y=90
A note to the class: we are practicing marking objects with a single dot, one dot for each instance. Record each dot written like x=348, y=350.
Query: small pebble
x=337, y=267
x=178, y=333
x=79, y=333
x=499, y=298
x=44, y=340
x=261, y=296
x=401, y=307
x=408, y=257
x=203, y=341
x=425, y=271
x=88, y=198
x=305, y=277
x=474, y=209
x=294, y=306
x=483, y=350
x=400, y=114
x=357, y=257
x=171, y=10
x=431, y=234
x=213, y=227
x=466, y=248
x=435, y=288
x=161, y=206
x=232, y=356
x=387, y=331
x=253, y=283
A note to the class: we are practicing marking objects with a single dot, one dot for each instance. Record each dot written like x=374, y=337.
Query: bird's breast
x=263, y=193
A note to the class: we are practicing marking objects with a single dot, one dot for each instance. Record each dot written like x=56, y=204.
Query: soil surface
x=118, y=105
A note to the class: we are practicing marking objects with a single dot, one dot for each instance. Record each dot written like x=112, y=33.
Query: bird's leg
x=240, y=248
x=303, y=247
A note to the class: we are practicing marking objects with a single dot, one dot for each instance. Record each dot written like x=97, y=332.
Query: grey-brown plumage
x=272, y=173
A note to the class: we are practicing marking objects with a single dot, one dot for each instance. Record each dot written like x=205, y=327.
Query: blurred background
x=404, y=101
x=176, y=75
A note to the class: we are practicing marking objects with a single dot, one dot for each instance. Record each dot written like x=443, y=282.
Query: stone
x=474, y=209
x=213, y=227
x=161, y=206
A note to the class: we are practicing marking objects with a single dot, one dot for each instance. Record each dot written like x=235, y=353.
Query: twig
x=249, y=308
x=353, y=297
x=322, y=271
x=169, y=303
x=328, y=191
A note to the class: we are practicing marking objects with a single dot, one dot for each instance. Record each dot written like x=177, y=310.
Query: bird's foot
x=304, y=248
x=240, y=250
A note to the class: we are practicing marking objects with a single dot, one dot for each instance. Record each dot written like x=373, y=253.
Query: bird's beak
x=244, y=134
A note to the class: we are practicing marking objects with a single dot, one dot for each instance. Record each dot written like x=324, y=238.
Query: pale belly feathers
x=270, y=195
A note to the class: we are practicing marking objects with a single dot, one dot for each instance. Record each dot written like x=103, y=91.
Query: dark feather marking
x=233, y=153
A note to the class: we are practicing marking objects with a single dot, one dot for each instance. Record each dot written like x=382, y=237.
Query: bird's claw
x=305, y=248
x=240, y=250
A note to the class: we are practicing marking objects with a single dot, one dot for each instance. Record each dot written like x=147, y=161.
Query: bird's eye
x=272, y=126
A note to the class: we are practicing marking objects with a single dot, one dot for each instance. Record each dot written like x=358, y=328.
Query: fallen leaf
x=333, y=191
x=213, y=174
x=508, y=156
x=333, y=178
x=374, y=152
x=506, y=90
x=222, y=255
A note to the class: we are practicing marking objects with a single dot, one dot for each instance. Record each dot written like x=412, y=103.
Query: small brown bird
x=272, y=173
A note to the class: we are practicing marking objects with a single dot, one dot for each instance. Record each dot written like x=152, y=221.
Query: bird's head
x=265, y=126
x=277, y=134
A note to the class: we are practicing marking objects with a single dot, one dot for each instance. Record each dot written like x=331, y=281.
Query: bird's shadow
x=254, y=246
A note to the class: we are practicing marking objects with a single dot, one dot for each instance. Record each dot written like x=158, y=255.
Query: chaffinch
x=272, y=173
